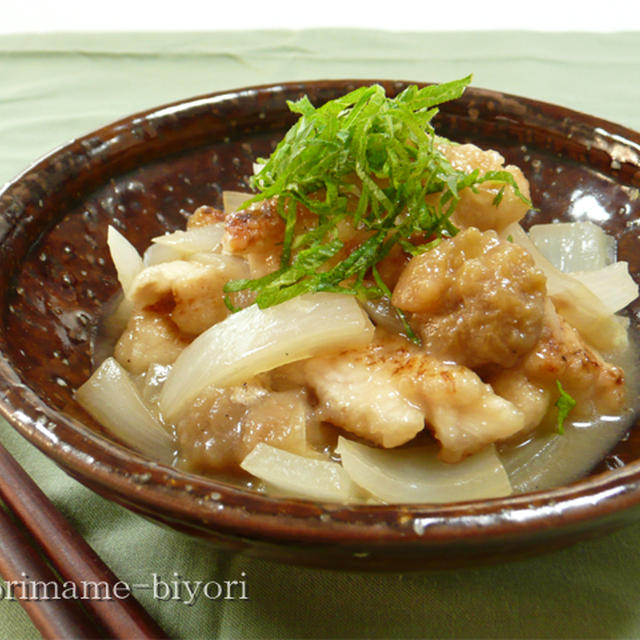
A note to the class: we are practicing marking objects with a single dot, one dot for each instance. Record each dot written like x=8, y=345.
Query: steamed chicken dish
x=372, y=323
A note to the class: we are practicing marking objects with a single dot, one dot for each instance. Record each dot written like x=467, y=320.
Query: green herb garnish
x=564, y=404
x=370, y=161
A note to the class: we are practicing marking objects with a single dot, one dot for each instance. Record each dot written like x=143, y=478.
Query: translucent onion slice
x=549, y=460
x=416, y=475
x=294, y=475
x=199, y=239
x=574, y=246
x=126, y=258
x=158, y=253
x=613, y=285
x=574, y=301
x=111, y=327
x=233, y=200
x=542, y=462
x=252, y=341
x=233, y=266
x=151, y=386
x=112, y=398
x=384, y=315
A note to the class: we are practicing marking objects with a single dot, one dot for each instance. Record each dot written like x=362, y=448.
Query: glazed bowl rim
x=149, y=486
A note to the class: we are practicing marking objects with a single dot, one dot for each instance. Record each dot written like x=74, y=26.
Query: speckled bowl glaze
x=145, y=174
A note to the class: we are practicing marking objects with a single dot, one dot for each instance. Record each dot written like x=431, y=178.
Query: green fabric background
x=54, y=87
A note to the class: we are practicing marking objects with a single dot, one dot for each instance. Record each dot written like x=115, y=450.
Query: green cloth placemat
x=54, y=87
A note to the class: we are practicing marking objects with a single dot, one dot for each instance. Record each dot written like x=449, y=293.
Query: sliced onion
x=235, y=267
x=613, y=285
x=416, y=475
x=151, y=386
x=574, y=246
x=111, y=327
x=206, y=238
x=384, y=315
x=159, y=253
x=252, y=341
x=112, y=398
x=575, y=302
x=298, y=476
x=126, y=258
x=548, y=459
x=233, y=200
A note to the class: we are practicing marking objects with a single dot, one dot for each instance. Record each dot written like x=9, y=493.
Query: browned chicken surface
x=492, y=344
x=474, y=299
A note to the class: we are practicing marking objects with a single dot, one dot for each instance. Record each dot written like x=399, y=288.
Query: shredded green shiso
x=564, y=405
x=369, y=159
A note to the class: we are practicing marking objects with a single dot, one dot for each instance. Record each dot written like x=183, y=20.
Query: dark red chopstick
x=71, y=556
x=23, y=569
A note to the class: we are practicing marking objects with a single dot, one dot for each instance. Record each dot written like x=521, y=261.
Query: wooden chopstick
x=19, y=561
x=72, y=557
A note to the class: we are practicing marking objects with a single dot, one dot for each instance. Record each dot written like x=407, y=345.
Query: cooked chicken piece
x=359, y=395
x=386, y=391
x=257, y=232
x=561, y=354
x=532, y=399
x=258, y=228
x=597, y=386
x=190, y=292
x=474, y=299
x=204, y=216
x=477, y=208
x=224, y=425
x=149, y=338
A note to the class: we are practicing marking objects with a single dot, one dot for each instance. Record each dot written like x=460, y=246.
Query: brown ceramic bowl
x=145, y=174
